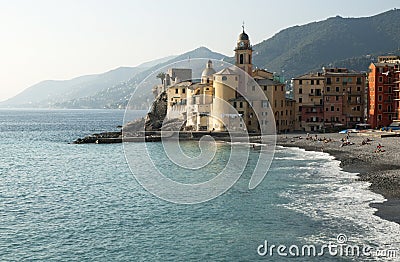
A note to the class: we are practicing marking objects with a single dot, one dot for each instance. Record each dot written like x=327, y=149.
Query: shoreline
x=381, y=169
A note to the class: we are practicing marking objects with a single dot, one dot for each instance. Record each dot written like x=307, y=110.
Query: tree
x=161, y=75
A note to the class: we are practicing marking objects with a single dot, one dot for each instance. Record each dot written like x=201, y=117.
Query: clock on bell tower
x=243, y=53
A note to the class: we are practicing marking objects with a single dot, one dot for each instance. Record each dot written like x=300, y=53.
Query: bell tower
x=243, y=53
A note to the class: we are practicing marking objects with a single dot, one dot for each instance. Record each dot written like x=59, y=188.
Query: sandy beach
x=378, y=165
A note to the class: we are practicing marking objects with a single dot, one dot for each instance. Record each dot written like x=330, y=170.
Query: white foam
x=337, y=197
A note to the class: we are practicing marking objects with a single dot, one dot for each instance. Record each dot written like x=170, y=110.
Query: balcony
x=314, y=112
x=315, y=94
x=354, y=102
x=311, y=104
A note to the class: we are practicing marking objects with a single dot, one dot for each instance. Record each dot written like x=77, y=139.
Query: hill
x=119, y=95
x=336, y=41
x=108, y=90
x=50, y=92
x=299, y=49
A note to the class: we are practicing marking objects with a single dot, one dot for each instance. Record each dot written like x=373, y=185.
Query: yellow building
x=230, y=98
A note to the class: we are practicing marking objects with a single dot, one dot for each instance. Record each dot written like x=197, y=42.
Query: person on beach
x=379, y=148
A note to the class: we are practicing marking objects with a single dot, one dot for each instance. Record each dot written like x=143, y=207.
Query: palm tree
x=161, y=75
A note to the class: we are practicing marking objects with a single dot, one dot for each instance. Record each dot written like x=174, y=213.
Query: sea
x=81, y=202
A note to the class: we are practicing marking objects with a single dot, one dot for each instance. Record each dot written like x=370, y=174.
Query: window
x=312, y=82
x=337, y=98
x=300, y=82
x=300, y=91
x=276, y=88
x=358, y=80
x=379, y=117
x=337, y=109
x=265, y=88
x=379, y=88
x=380, y=80
x=224, y=78
x=328, y=89
x=337, y=79
x=379, y=98
x=176, y=90
x=358, y=88
x=183, y=90
x=328, y=81
x=241, y=59
x=337, y=89
x=317, y=82
x=300, y=100
x=282, y=88
x=234, y=104
x=241, y=104
x=332, y=108
x=326, y=109
x=300, y=108
x=379, y=107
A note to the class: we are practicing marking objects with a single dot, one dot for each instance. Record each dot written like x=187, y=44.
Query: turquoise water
x=66, y=202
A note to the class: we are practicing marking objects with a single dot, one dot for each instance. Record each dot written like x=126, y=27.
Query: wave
x=337, y=197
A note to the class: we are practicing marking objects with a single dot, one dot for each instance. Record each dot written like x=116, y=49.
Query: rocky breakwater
x=139, y=130
x=101, y=138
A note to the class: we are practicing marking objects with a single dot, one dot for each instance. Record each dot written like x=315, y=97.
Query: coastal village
x=329, y=100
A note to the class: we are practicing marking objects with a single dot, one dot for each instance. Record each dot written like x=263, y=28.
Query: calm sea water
x=66, y=202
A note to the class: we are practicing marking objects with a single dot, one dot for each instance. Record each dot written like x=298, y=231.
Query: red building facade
x=383, y=91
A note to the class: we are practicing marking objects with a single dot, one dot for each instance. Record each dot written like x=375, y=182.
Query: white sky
x=56, y=39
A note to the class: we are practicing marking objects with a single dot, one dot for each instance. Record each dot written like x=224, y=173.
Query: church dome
x=243, y=36
x=209, y=70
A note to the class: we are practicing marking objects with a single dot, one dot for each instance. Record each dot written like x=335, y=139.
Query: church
x=236, y=98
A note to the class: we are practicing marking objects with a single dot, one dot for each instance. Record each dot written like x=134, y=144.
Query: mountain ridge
x=296, y=50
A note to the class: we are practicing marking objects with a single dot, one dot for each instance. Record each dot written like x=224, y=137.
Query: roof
x=310, y=76
x=384, y=64
x=197, y=85
x=267, y=82
x=208, y=72
x=226, y=71
x=238, y=99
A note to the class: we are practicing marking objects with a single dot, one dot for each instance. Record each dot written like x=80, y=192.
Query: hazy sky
x=54, y=39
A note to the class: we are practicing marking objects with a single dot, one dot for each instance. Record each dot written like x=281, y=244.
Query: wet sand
x=381, y=169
